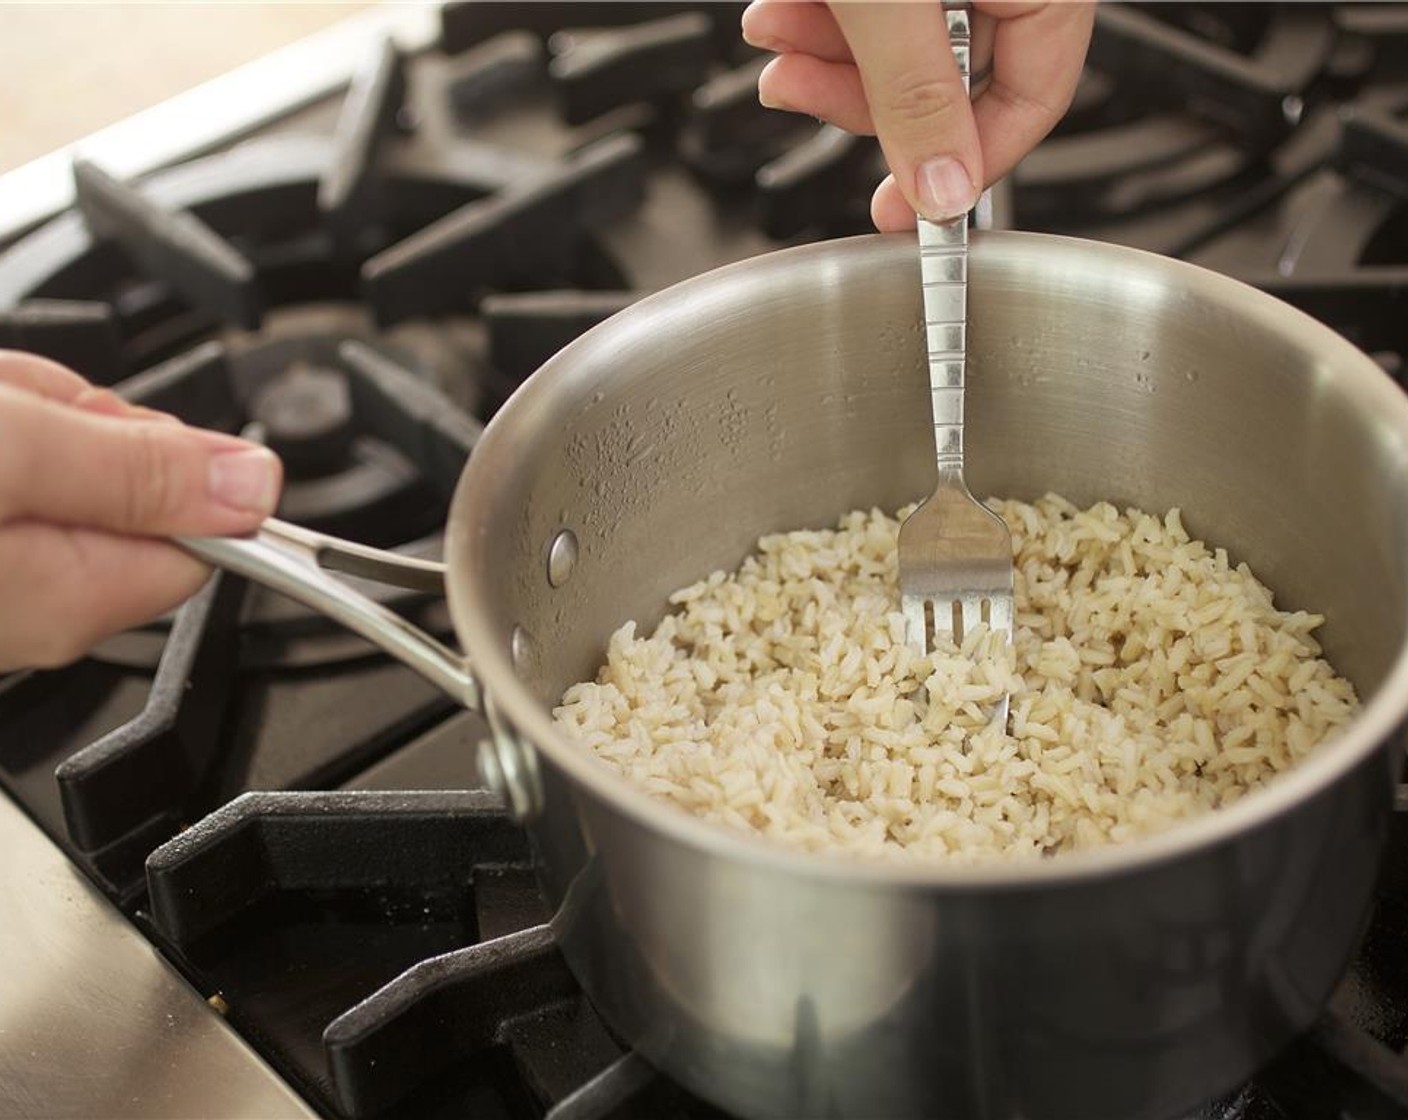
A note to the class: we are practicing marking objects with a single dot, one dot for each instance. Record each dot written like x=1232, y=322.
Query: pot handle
x=299, y=563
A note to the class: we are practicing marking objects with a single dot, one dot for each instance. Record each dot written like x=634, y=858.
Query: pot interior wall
x=783, y=392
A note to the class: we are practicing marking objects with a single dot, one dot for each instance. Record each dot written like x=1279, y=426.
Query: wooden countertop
x=67, y=70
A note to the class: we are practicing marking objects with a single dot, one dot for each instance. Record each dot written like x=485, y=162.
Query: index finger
x=42, y=376
x=918, y=102
x=1038, y=52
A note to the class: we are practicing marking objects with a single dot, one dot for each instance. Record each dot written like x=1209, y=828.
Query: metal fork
x=955, y=554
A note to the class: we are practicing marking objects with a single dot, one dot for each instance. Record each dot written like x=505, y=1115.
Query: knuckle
x=924, y=99
x=1046, y=106
x=148, y=486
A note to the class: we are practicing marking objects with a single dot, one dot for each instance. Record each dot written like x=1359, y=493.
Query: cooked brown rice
x=1151, y=681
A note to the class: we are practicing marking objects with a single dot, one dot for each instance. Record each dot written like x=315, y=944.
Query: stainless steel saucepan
x=777, y=393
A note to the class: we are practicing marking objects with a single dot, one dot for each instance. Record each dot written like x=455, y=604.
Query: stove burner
x=527, y=329
x=306, y=416
x=447, y=353
x=489, y=979
x=596, y=71
x=1185, y=124
x=1336, y=242
x=1260, y=94
x=489, y=76
x=135, y=780
x=520, y=237
x=729, y=134
x=348, y=195
x=375, y=455
x=284, y=859
x=467, y=23
x=79, y=334
x=1379, y=32
x=193, y=741
x=1374, y=146
x=822, y=184
x=177, y=247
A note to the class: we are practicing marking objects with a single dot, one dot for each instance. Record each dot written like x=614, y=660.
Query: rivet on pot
x=520, y=646
x=562, y=557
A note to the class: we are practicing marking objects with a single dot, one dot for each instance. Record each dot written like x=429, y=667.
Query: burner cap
x=307, y=415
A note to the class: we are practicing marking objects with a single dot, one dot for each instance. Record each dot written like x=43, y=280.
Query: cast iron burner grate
x=1336, y=244
x=485, y=1011
x=244, y=899
x=363, y=285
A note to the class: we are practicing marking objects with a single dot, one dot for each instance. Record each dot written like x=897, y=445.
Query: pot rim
x=496, y=457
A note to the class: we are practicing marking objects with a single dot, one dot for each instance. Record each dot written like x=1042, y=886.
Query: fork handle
x=943, y=263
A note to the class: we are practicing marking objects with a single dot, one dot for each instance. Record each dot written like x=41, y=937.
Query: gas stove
x=242, y=806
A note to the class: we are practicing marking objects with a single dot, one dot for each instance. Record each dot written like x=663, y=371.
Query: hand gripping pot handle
x=301, y=563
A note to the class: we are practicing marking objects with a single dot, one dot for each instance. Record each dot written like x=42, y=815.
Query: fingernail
x=766, y=98
x=245, y=480
x=945, y=189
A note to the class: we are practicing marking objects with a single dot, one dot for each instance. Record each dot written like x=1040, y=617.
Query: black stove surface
x=362, y=285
